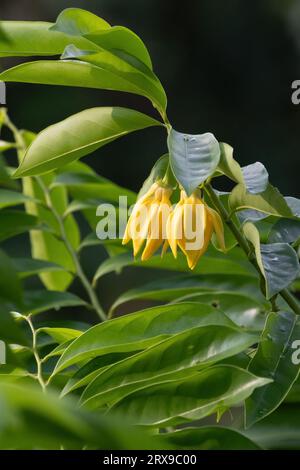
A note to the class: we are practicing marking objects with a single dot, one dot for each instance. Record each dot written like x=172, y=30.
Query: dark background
x=227, y=67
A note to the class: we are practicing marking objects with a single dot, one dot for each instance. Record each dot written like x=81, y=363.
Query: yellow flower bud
x=191, y=225
x=148, y=220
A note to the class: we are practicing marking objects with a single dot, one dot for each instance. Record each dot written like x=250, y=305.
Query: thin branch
x=38, y=360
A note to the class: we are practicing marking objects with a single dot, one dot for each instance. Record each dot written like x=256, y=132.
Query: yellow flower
x=191, y=225
x=148, y=220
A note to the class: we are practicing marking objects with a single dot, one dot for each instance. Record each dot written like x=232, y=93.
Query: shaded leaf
x=209, y=438
x=193, y=158
x=270, y=201
x=139, y=330
x=278, y=262
x=273, y=359
x=172, y=358
x=184, y=400
x=38, y=301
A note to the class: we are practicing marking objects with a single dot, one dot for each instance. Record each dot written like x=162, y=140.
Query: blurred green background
x=227, y=68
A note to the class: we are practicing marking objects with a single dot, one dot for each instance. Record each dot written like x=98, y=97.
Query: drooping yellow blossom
x=191, y=225
x=148, y=220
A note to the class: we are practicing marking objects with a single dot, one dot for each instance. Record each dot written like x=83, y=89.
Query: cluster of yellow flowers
x=189, y=225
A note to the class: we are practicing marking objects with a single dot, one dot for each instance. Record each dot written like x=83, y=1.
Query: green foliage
x=219, y=337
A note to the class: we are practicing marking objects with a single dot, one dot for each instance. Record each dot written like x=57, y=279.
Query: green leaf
x=270, y=201
x=174, y=357
x=78, y=22
x=193, y=158
x=86, y=74
x=256, y=178
x=280, y=430
x=26, y=413
x=60, y=335
x=122, y=73
x=278, y=262
x=273, y=359
x=14, y=222
x=139, y=330
x=46, y=245
x=10, y=286
x=11, y=198
x=9, y=330
x=92, y=369
x=242, y=309
x=10, y=373
x=75, y=21
x=228, y=165
x=184, y=400
x=78, y=136
x=294, y=205
x=5, y=180
x=209, y=438
x=27, y=267
x=35, y=38
x=119, y=39
x=285, y=231
x=176, y=287
x=38, y=301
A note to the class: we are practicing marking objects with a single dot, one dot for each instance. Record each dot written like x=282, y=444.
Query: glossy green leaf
x=278, y=262
x=209, y=438
x=122, y=73
x=176, y=356
x=279, y=431
x=78, y=136
x=92, y=369
x=78, y=22
x=176, y=287
x=193, y=158
x=242, y=309
x=35, y=38
x=61, y=335
x=119, y=39
x=285, y=231
x=274, y=359
x=184, y=400
x=38, y=301
x=139, y=330
x=270, y=201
